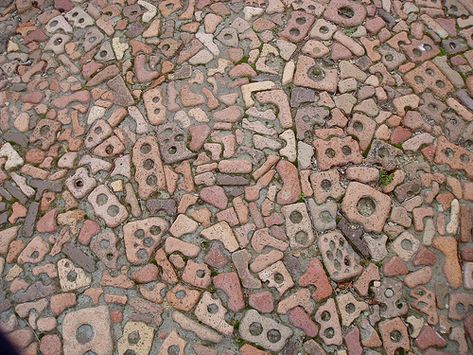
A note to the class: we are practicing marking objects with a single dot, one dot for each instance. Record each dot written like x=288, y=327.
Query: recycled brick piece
x=236, y=177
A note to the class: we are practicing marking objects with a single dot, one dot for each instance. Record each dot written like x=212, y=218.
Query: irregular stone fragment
x=211, y=312
x=137, y=337
x=71, y=277
x=88, y=329
x=330, y=329
x=149, y=172
x=142, y=237
x=107, y=206
x=264, y=331
x=201, y=331
x=277, y=276
x=339, y=258
x=222, y=231
x=367, y=206
x=298, y=226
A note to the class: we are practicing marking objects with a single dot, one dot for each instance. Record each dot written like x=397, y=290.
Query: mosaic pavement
x=236, y=177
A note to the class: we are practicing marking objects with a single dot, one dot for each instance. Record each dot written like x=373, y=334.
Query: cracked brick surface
x=236, y=176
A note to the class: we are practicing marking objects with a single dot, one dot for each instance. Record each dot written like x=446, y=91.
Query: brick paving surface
x=236, y=176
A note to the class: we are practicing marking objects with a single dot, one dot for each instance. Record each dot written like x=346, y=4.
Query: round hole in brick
x=148, y=242
x=103, y=54
x=179, y=137
x=295, y=217
x=109, y=149
x=346, y=12
x=395, y=336
x=301, y=20
x=256, y=328
x=326, y=185
x=34, y=255
x=389, y=57
x=79, y=183
x=273, y=335
x=452, y=45
x=212, y=308
x=180, y=294
x=92, y=39
x=329, y=152
x=389, y=293
x=329, y=255
x=127, y=352
x=358, y=126
x=406, y=244
x=53, y=23
x=44, y=130
x=155, y=230
x=151, y=180
x=316, y=73
x=346, y=261
x=227, y=37
x=156, y=99
x=81, y=20
x=301, y=237
x=294, y=32
x=418, y=79
x=427, y=47
x=325, y=217
x=200, y=273
x=417, y=52
x=366, y=206
x=172, y=150
x=350, y=308
x=104, y=243
x=134, y=337
x=174, y=350
x=278, y=278
x=460, y=307
x=113, y=210
x=139, y=233
x=145, y=148
x=142, y=254
x=346, y=150
x=101, y=199
x=109, y=256
x=148, y=164
x=430, y=71
x=71, y=276
x=382, y=152
x=324, y=29
x=329, y=333
x=440, y=84
x=58, y=41
x=84, y=333
x=464, y=158
x=448, y=153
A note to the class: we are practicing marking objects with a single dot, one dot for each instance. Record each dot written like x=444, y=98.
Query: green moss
x=240, y=342
x=442, y=52
x=398, y=146
x=213, y=273
x=243, y=60
x=350, y=31
x=302, y=197
x=385, y=178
